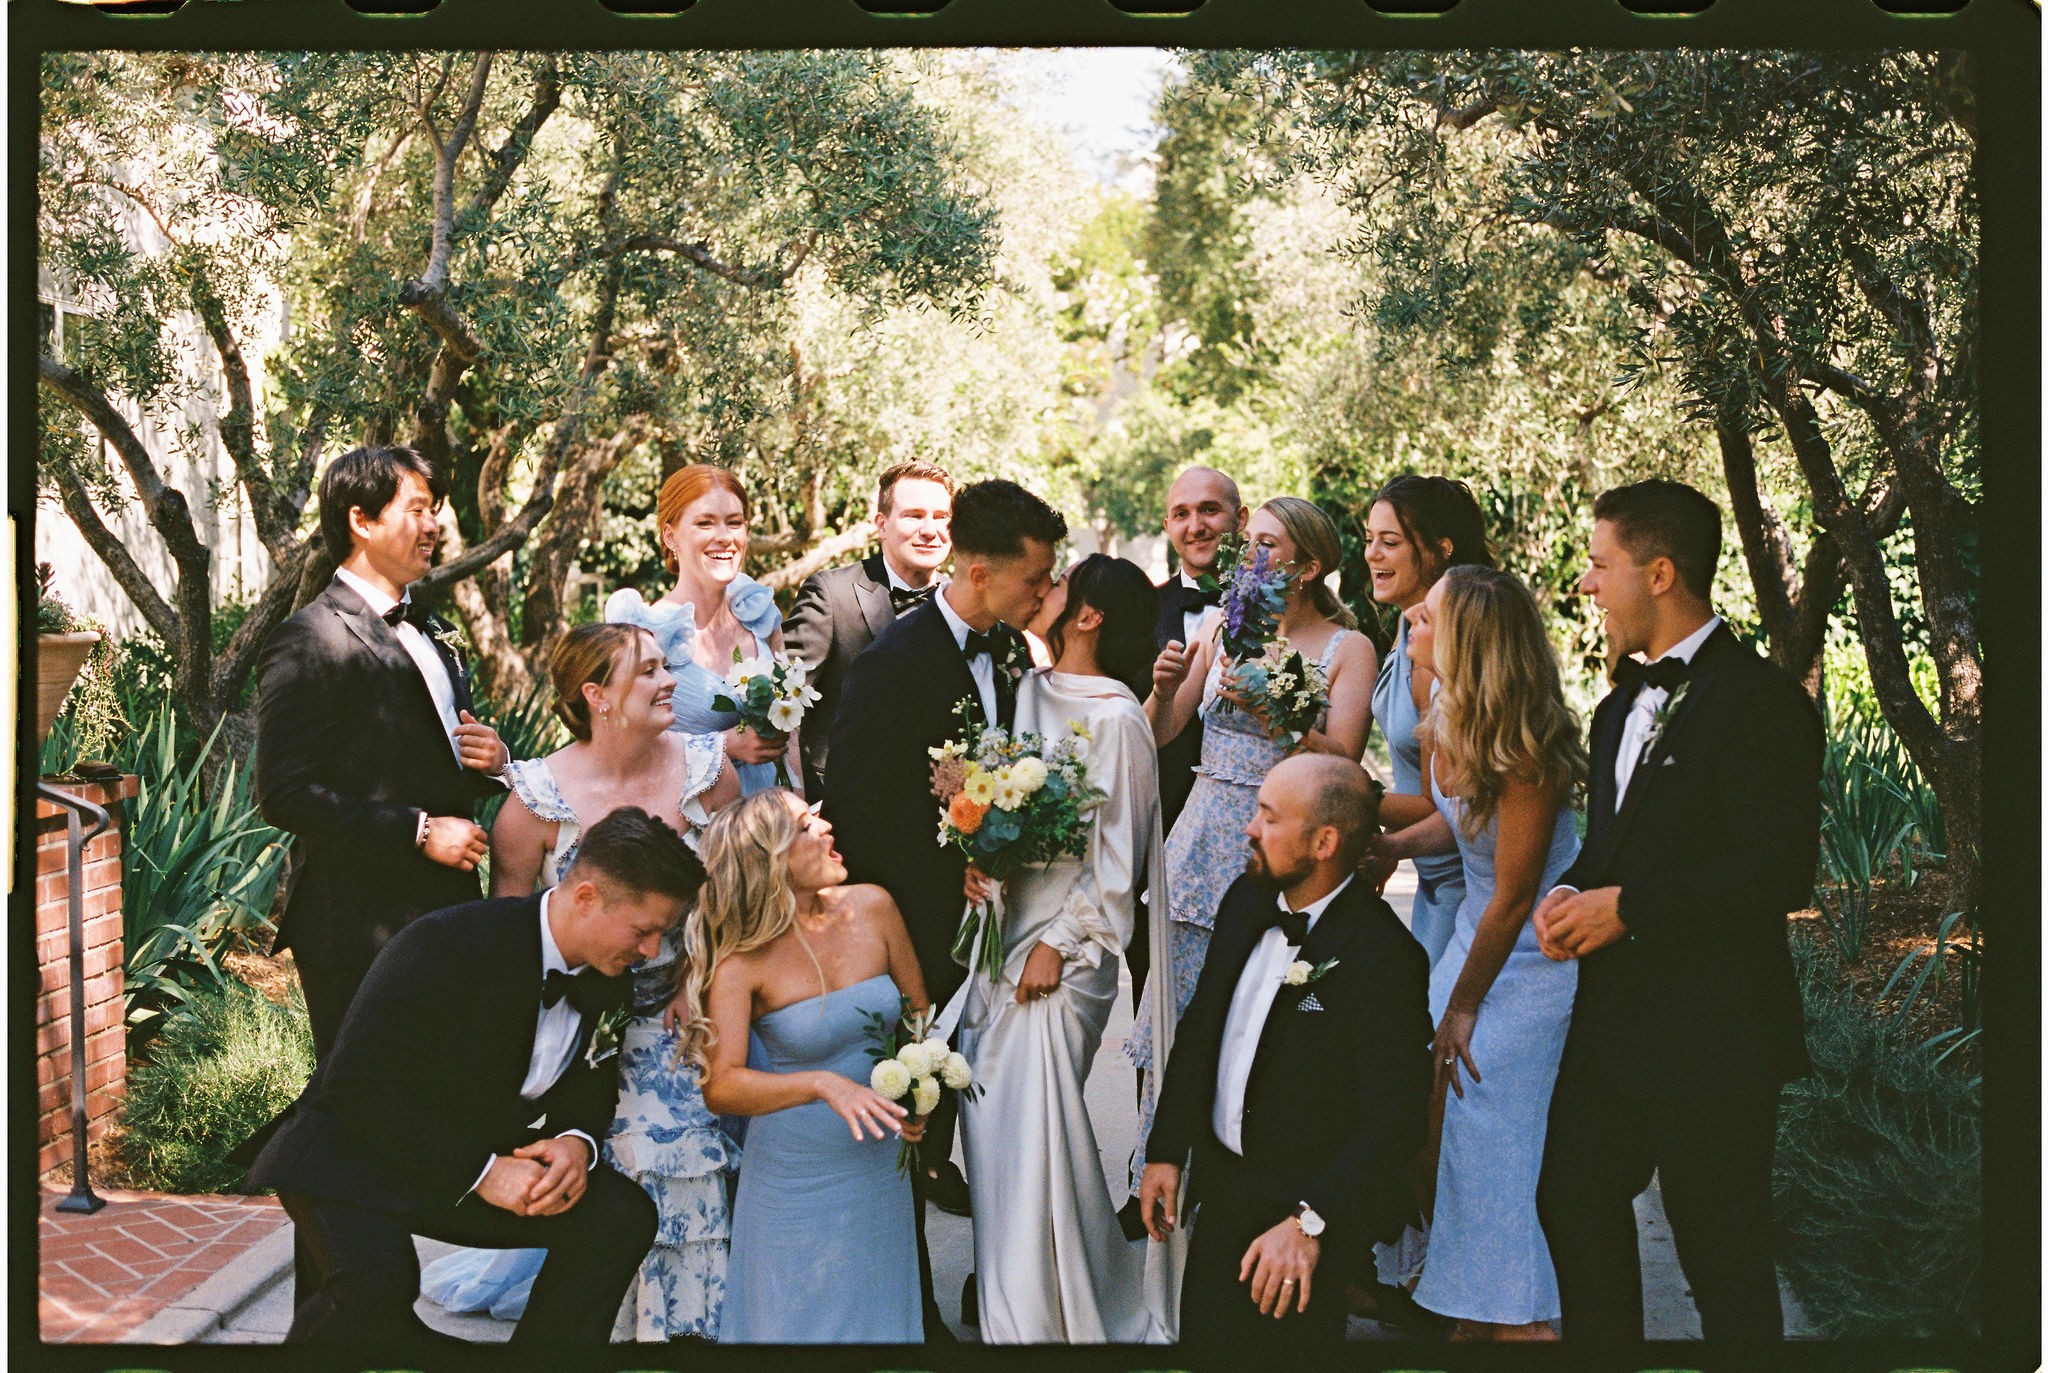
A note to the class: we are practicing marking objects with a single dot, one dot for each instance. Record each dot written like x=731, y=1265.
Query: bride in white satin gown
x=1051, y=1263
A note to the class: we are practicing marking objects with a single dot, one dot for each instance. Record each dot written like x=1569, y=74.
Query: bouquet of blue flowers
x=1254, y=592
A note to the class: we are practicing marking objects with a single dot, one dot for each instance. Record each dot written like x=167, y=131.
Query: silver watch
x=1305, y=1216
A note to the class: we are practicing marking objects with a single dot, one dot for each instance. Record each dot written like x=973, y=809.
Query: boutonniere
x=605, y=1036
x=449, y=636
x=1016, y=657
x=1300, y=974
x=1661, y=719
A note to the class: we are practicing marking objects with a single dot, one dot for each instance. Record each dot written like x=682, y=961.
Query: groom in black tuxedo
x=964, y=645
x=464, y=1097
x=1299, y=1076
x=839, y=611
x=1703, y=829
x=365, y=748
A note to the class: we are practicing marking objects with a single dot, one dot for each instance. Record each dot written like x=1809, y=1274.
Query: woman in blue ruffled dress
x=613, y=691
x=1206, y=851
x=713, y=612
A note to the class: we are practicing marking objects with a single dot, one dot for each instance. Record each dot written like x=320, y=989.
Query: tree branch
x=133, y=581
x=275, y=526
x=823, y=554
x=231, y=666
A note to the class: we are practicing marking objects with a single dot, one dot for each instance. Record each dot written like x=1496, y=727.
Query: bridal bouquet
x=1007, y=801
x=1286, y=689
x=769, y=695
x=911, y=1062
x=1254, y=592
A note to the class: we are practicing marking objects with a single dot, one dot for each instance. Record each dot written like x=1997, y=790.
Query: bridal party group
x=818, y=920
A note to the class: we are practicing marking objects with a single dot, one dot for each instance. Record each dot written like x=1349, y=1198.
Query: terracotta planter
x=59, y=657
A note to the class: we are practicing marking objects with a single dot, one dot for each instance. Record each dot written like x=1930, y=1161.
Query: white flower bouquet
x=1007, y=801
x=912, y=1062
x=1286, y=690
x=770, y=695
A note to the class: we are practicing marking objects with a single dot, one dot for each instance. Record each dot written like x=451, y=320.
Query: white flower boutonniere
x=1016, y=657
x=449, y=636
x=1300, y=974
x=605, y=1036
x=1661, y=720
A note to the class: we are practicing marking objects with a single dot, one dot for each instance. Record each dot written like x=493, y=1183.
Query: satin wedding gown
x=1051, y=1264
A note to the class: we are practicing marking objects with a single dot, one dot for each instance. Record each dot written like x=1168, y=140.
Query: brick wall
x=105, y=1046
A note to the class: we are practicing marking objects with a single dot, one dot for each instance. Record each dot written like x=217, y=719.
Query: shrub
x=1873, y=804
x=218, y=1074
x=1878, y=1173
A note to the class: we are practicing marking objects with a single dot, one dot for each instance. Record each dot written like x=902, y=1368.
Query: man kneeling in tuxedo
x=1299, y=1076
x=466, y=1091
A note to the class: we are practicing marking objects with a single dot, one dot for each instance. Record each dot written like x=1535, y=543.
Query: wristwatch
x=1311, y=1224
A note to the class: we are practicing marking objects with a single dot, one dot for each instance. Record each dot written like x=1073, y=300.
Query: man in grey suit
x=839, y=612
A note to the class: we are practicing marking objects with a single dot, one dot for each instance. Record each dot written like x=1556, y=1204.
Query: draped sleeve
x=1099, y=911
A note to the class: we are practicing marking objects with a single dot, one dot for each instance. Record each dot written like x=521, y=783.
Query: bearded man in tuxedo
x=464, y=1097
x=1703, y=829
x=965, y=645
x=840, y=611
x=1299, y=1077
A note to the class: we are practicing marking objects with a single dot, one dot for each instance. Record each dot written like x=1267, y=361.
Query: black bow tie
x=407, y=610
x=590, y=994
x=979, y=644
x=1292, y=924
x=902, y=599
x=1188, y=597
x=1666, y=674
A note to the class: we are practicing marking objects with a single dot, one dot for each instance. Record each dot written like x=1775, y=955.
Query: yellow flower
x=981, y=787
x=1079, y=729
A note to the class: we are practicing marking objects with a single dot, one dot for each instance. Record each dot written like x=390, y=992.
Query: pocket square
x=1668, y=761
x=1308, y=1003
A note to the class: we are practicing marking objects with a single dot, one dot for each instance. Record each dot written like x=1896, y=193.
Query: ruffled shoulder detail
x=703, y=760
x=533, y=782
x=674, y=627
x=753, y=605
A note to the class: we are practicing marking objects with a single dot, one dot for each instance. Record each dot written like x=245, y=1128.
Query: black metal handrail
x=82, y=1198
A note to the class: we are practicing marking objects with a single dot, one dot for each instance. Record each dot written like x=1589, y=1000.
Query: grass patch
x=1878, y=1172
x=215, y=1074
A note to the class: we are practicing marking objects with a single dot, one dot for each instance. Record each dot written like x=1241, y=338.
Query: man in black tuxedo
x=1299, y=1076
x=365, y=747
x=463, y=1100
x=962, y=646
x=1202, y=506
x=838, y=612
x=1703, y=830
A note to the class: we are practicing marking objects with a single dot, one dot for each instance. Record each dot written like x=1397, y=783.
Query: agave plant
x=202, y=869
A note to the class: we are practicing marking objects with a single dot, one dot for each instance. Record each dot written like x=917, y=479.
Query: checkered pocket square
x=1308, y=1003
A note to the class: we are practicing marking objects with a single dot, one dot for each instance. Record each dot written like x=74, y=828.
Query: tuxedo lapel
x=382, y=641
x=871, y=595
x=1646, y=773
x=1333, y=931
x=522, y=999
x=937, y=646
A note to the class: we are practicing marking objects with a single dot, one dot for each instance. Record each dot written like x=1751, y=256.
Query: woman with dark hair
x=1417, y=529
x=615, y=695
x=1051, y=1263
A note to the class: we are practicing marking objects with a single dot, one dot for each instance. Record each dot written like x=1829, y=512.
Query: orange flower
x=964, y=815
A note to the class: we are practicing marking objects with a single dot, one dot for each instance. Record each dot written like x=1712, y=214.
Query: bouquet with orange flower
x=1007, y=801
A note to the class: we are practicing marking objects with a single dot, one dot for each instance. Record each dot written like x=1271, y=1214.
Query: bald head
x=1336, y=792
x=1202, y=506
x=1315, y=813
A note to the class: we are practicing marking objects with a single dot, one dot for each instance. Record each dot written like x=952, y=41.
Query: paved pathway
x=263, y=1311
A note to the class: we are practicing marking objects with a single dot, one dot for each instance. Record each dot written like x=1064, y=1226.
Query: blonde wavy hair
x=1315, y=538
x=1501, y=714
x=747, y=902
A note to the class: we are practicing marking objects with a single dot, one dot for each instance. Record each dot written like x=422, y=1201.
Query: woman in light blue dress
x=713, y=611
x=613, y=693
x=790, y=979
x=1503, y=758
x=1416, y=529
x=1206, y=851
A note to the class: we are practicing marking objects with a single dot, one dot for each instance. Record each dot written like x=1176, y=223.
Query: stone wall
x=105, y=1039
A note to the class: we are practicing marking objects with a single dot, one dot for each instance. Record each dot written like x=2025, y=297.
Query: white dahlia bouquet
x=770, y=695
x=913, y=1063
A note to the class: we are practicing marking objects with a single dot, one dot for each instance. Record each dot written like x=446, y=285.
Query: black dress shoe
x=1131, y=1217
x=948, y=1191
x=1398, y=1311
x=970, y=1305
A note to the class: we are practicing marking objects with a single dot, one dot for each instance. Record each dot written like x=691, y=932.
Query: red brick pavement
x=103, y=1275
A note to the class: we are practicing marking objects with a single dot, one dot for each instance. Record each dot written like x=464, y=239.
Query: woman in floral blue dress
x=713, y=612
x=1206, y=851
x=613, y=691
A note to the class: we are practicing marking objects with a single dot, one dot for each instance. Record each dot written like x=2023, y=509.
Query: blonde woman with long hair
x=1205, y=853
x=824, y=1241
x=1503, y=761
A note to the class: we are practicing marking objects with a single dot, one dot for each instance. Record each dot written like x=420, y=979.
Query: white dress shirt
x=424, y=654
x=1641, y=722
x=1257, y=985
x=554, y=1036
x=1192, y=621
x=896, y=582
x=982, y=667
